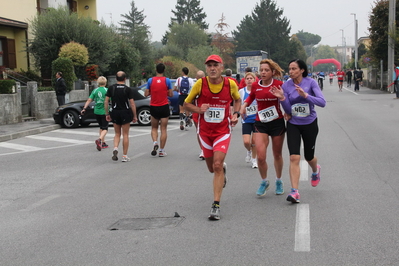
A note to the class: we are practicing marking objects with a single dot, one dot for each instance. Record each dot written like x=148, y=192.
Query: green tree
x=64, y=65
x=379, y=31
x=308, y=40
x=137, y=33
x=198, y=55
x=187, y=36
x=266, y=29
x=77, y=52
x=187, y=11
x=56, y=27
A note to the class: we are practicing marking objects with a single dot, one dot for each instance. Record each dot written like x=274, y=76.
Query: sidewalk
x=19, y=130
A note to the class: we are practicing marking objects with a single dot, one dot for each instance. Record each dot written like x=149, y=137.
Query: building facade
x=15, y=17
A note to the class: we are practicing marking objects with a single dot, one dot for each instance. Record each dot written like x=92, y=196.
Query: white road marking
x=302, y=228
x=66, y=140
x=40, y=203
x=304, y=170
x=19, y=147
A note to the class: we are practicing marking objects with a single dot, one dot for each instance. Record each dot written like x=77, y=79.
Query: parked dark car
x=173, y=101
x=69, y=116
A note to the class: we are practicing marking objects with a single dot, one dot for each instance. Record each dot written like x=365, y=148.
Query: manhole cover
x=146, y=223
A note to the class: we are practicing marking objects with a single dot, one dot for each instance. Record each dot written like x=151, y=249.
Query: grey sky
x=325, y=18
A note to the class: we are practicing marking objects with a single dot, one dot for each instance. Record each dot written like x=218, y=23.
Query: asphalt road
x=60, y=197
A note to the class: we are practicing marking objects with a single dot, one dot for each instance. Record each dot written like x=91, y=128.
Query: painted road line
x=84, y=133
x=19, y=147
x=304, y=170
x=40, y=203
x=66, y=140
x=302, y=228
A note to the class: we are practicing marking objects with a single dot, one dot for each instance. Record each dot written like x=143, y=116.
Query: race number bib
x=251, y=110
x=214, y=115
x=300, y=110
x=268, y=114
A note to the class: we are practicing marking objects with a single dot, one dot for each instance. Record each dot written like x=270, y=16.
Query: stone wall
x=10, y=108
x=43, y=104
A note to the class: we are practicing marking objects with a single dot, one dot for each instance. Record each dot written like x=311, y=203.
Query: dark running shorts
x=248, y=128
x=181, y=99
x=121, y=117
x=159, y=112
x=102, y=122
x=273, y=128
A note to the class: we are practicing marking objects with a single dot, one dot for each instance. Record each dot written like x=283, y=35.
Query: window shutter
x=12, y=56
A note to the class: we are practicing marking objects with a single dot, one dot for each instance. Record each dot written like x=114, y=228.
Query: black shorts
x=272, y=128
x=159, y=112
x=308, y=133
x=102, y=122
x=182, y=98
x=248, y=128
x=121, y=117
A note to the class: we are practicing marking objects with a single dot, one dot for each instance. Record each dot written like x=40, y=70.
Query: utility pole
x=356, y=37
x=391, y=42
x=343, y=52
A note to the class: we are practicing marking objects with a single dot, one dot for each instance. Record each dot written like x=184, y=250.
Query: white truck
x=250, y=59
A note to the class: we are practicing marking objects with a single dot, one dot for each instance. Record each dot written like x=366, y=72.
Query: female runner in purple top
x=298, y=96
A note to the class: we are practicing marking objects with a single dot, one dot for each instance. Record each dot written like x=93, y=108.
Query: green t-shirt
x=98, y=96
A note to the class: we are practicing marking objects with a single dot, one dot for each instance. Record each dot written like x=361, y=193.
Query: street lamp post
x=356, y=50
x=343, y=51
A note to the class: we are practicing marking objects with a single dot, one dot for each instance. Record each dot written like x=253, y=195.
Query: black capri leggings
x=308, y=133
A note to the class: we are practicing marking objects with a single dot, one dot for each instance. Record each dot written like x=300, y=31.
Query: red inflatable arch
x=327, y=61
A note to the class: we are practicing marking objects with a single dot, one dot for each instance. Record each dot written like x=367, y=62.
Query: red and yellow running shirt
x=216, y=120
x=268, y=105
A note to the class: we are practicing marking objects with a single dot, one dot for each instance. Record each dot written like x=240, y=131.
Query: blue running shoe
x=279, y=187
x=264, y=185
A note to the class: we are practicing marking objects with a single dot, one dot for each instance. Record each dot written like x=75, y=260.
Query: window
x=8, y=56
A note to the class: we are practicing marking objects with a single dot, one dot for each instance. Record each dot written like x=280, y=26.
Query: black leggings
x=308, y=133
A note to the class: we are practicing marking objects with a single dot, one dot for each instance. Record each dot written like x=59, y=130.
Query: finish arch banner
x=327, y=61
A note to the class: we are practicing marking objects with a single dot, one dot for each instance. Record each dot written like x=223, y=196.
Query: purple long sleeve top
x=302, y=109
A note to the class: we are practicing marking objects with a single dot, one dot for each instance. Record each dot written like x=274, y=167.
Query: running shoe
x=254, y=164
x=248, y=158
x=264, y=186
x=189, y=122
x=162, y=154
x=104, y=145
x=98, y=144
x=201, y=155
x=125, y=159
x=154, y=150
x=316, y=177
x=225, y=176
x=115, y=155
x=182, y=124
x=279, y=187
x=294, y=196
x=215, y=212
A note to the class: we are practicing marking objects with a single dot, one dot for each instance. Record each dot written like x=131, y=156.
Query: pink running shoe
x=294, y=196
x=315, y=179
x=98, y=144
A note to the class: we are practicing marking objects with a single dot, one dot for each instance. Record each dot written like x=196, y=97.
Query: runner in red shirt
x=340, y=77
x=214, y=94
x=269, y=123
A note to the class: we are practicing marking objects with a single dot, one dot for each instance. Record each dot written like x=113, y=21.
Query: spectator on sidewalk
x=60, y=88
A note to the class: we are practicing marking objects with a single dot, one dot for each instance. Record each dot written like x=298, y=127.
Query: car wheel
x=70, y=119
x=144, y=116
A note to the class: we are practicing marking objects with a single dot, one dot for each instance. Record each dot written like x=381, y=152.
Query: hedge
x=6, y=86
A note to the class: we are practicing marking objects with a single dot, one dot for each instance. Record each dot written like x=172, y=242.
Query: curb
x=29, y=132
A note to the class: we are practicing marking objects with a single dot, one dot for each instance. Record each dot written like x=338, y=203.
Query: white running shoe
x=201, y=155
x=254, y=164
x=248, y=158
x=125, y=159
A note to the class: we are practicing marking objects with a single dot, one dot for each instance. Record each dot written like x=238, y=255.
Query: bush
x=6, y=86
x=77, y=52
x=65, y=66
x=39, y=89
x=30, y=75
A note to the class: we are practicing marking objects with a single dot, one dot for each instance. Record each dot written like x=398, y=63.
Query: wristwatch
x=238, y=114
